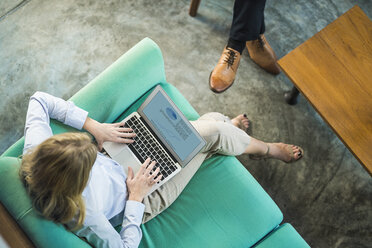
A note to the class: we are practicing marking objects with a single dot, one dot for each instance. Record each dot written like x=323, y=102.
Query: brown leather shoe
x=263, y=55
x=223, y=75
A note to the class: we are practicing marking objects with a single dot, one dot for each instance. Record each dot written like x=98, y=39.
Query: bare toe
x=241, y=121
x=288, y=153
x=296, y=153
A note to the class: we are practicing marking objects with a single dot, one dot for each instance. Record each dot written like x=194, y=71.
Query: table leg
x=194, y=7
x=291, y=96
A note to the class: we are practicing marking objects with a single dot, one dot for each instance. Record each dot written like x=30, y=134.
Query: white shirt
x=105, y=195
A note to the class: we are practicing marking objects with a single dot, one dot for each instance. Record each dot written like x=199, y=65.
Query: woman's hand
x=140, y=184
x=114, y=132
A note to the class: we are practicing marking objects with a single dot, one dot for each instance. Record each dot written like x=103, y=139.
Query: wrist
x=91, y=125
x=133, y=197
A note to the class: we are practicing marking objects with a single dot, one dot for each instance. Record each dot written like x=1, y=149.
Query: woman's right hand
x=114, y=132
x=140, y=184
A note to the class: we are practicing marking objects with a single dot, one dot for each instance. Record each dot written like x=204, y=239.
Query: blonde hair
x=56, y=172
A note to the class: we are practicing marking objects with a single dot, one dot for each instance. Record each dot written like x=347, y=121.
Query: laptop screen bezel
x=197, y=149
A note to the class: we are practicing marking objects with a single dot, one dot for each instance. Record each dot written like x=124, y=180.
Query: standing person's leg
x=246, y=25
x=247, y=29
x=248, y=22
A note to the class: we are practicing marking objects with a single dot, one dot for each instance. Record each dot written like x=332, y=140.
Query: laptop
x=163, y=134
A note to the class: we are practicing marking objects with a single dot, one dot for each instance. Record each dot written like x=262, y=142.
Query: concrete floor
x=59, y=46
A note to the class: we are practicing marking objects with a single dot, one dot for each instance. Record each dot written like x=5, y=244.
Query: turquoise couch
x=222, y=206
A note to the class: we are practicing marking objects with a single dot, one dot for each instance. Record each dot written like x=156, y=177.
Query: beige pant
x=221, y=136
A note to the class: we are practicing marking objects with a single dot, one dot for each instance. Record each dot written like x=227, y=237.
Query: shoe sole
x=214, y=90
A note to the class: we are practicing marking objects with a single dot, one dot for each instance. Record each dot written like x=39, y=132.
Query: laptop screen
x=175, y=129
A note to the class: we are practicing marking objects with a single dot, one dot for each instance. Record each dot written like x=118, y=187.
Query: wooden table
x=333, y=70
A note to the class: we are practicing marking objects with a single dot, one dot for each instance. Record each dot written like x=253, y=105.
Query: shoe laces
x=261, y=42
x=230, y=59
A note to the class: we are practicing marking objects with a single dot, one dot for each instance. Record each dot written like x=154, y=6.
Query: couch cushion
x=222, y=206
x=284, y=236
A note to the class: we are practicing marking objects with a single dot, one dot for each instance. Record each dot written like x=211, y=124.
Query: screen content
x=171, y=126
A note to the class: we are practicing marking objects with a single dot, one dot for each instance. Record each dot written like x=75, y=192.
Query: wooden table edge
x=325, y=120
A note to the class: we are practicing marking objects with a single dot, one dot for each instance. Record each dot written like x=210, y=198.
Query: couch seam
x=24, y=214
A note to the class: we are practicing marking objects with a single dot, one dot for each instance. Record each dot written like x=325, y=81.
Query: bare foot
x=241, y=121
x=286, y=153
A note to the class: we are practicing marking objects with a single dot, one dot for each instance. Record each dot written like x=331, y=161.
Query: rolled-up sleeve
x=98, y=231
x=41, y=108
x=131, y=232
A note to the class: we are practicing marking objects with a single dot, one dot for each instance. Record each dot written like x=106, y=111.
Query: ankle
x=236, y=45
x=266, y=150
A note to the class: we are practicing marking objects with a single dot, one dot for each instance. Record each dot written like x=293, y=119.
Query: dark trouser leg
x=248, y=20
x=248, y=24
x=247, y=31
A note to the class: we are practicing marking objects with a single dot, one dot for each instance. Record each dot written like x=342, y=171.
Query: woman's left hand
x=140, y=184
x=114, y=132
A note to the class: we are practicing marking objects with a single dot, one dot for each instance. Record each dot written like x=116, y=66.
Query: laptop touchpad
x=126, y=158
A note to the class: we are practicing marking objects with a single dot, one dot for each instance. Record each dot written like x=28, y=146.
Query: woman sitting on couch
x=72, y=183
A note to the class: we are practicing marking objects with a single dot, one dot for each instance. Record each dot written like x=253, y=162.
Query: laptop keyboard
x=146, y=146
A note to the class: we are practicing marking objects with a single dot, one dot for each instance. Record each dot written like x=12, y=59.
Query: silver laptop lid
x=171, y=126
